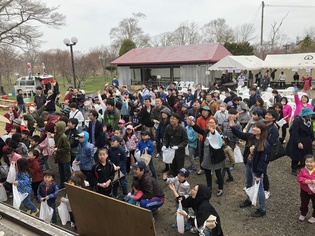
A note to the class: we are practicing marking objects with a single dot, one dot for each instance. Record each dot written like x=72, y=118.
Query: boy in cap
x=146, y=145
x=180, y=185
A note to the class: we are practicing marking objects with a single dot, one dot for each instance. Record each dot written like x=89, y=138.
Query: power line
x=268, y=5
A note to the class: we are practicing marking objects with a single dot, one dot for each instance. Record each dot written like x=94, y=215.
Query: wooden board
x=96, y=214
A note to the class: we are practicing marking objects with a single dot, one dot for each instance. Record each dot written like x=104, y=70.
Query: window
x=29, y=82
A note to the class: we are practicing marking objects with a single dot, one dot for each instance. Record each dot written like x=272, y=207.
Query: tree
x=240, y=48
x=186, y=33
x=129, y=29
x=19, y=20
x=217, y=31
x=126, y=46
x=307, y=45
x=162, y=40
x=244, y=33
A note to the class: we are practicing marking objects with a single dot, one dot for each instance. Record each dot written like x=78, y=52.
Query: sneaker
x=311, y=220
x=158, y=155
x=174, y=226
x=72, y=224
x=200, y=172
x=267, y=194
x=35, y=213
x=29, y=212
x=114, y=196
x=155, y=210
x=301, y=218
x=125, y=198
x=188, y=226
x=219, y=193
x=194, y=230
x=246, y=203
x=192, y=169
x=230, y=179
x=258, y=213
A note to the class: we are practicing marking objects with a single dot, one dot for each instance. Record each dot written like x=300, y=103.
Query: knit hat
x=166, y=111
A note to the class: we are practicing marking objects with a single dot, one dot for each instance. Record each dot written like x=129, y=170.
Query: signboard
x=308, y=70
x=294, y=69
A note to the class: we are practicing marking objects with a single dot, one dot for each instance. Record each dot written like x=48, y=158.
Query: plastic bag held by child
x=46, y=212
x=63, y=213
x=11, y=173
x=180, y=220
x=17, y=197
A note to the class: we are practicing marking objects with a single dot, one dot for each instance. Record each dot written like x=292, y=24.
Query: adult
x=175, y=137
x=211, y=103
x=307, y=84
x=156, y=111
x=213, y=157
x=145, y=91
x=33, y=115
x=256, y=116
x=253, y=97
x=171, y=99
x=199, y=202
x=301, y=103
x=40, y=98
x=115, y=82
x=95, y=130
x=195, y=110
x=52, y=94
x=241, y=80
x=296, y=78
x=75, y=113
x=265, y=81
x=227, y=131
x=111, y=114
x=153, y=196
x=276, y=97
x=162, y=124
x=258, y=78
x=250, y=79
x=146, y=116
x=301, y=139
x=260, y=103
x=242, y=110
x=197, y=92
x=189, y=98
x=162, y=93
x=222, y=114
x=256, y=159
x=282, y=78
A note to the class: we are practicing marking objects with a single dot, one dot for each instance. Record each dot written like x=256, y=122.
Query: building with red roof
x=163, y=65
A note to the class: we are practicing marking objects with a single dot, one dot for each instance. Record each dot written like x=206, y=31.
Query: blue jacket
x=117, y=155
x=142, y=145
x=24, y=182
x=192, y=137
x=51, y=191
x=86, y=153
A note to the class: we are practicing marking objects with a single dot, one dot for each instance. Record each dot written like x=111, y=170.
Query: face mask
x=32, y=109
x=222, y=108
x=283, y=103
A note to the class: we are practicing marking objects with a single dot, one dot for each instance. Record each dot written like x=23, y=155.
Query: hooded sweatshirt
x=62, y=143
x=86, y=153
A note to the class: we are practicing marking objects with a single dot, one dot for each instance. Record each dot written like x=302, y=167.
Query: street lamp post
x=71, y=43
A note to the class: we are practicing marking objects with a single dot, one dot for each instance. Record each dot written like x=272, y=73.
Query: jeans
x=54, y=216
x=64, y=172
x=21, y=108
x=192, y=151
x=44, y=163
x=249, y=178
x=123, y=182
x=29, y=205
x=152, y=168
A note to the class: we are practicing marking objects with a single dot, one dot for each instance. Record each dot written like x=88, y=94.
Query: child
x=11, y=116
x=48, y=191
x=306, y=178
x=229, y=158
x=72, y=133
x=192, y=145
x=17, y=145
x=20, y=101
x=136, y=193
x=25, y=137
x=24, y=185
x=131, y=141
x=136, y=122
x=12, y=155
x=179, y=185
x=121, y=126
x=147, y=144
x=34, y=166
x=39, y=127
x=84, y=183
x=64, y=107
x=103, y=173
x=34, y=143
x=76, y=181
x=45, y=146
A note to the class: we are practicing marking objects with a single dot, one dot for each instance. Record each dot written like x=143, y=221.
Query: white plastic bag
x=238, y=155
x=187, y=151
x=11, y=173
x=17, y=197
x=252, y=193
x=312, y=187
x=137, y=155
x=63, y=213
x=180, y=220
x=168, y=155
x=3, y=194
x=46, y=212
x=75, y=167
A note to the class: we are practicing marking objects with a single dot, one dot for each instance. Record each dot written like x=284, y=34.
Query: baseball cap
x=205, y=108
x=140, y=164
x=145, y=133
x=129, y=127
x=80, y=135
x=115, y=137
x=183, y=172
x=121, y=121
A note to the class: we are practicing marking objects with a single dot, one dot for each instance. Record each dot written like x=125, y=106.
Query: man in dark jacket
x=146, y=116
x=153, y=196
x=39, y=98
x=253, y=97
x=95, y=130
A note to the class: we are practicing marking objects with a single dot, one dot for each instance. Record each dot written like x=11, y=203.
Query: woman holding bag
x=211, y=152
x=256, y=159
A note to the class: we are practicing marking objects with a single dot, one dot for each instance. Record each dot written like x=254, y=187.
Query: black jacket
x=98, y=133
x=150, y=187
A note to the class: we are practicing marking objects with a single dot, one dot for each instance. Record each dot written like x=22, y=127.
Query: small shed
x=163, y=65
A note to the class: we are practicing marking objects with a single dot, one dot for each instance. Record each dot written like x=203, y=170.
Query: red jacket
x=304, y=175
x=8, y=127
x=202, y=123
x=35, y=169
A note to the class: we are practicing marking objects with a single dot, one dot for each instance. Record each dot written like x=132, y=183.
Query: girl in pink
x=12, y=155
x=287, y=113
x=134, y=197
x=131, y=141
x=306, y=178
x=301, y=103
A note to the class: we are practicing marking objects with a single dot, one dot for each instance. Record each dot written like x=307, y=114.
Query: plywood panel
x=96, y=214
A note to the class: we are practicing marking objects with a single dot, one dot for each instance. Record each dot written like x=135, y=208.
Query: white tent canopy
x=287, y=61
x=238, y=62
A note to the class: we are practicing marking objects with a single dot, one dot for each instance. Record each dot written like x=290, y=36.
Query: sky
x=91, y=21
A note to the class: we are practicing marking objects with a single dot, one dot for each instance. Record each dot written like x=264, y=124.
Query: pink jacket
x=131, y=143
x=304, y=175
x=44, y=145
x=287, y=111
x=137, y=195
x=299, y=105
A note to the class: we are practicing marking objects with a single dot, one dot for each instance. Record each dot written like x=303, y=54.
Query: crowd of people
x=95, y=139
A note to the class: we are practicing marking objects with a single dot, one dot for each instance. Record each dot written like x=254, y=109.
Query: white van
x=29, y=83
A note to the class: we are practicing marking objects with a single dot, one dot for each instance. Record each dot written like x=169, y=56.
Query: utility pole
x=262, y=29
